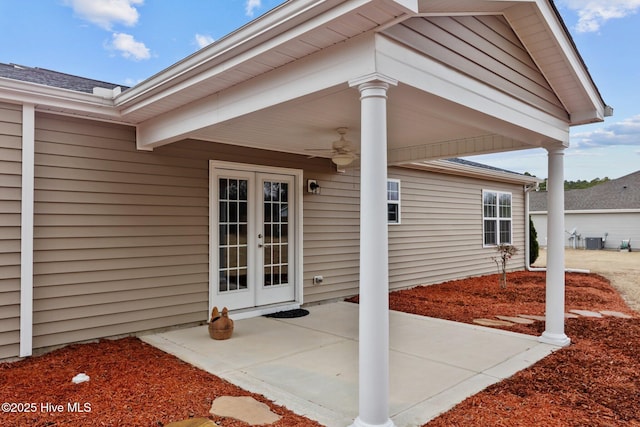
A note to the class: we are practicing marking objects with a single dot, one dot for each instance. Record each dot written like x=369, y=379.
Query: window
x=393, y=201
x=496, y=215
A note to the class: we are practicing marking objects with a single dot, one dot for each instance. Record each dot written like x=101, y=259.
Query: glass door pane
x=275, y=232
x=232, y=234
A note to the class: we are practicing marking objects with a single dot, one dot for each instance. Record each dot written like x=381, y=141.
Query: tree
x=573, y=185
x=534, y=247
x=505, y=252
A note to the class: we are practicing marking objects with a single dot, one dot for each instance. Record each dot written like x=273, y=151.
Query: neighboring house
x=129, y=210
x=606, y=213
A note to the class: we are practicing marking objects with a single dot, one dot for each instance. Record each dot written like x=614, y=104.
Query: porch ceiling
x=420, y=126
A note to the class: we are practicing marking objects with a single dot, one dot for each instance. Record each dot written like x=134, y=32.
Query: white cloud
x=106, y=13
x=592, y=14
x=251, y=6
x=129, y=47
x=625, y=132
x=203, y=40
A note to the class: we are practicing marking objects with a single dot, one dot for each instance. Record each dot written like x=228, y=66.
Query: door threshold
x=247, y=313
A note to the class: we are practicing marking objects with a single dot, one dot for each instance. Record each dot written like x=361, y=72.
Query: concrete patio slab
x=310, y=364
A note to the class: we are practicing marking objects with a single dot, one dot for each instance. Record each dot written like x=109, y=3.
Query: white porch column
x=374, y=258
x=554, y=324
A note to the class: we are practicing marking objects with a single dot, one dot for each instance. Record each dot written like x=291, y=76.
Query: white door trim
x=215, y=165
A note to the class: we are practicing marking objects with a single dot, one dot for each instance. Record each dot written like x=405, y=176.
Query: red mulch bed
x=132, y=384
x=593, y=382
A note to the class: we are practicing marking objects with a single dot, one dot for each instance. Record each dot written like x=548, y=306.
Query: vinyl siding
x=332, y=235
x=120, y=235
x=481, y=47
x=10, y=199
x=439, y=237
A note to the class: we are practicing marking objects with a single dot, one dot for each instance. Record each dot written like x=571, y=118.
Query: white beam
x=26, y=230
x=484, y=144
x=374, y=255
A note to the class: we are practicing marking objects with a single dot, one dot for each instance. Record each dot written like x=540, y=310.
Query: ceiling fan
x=342, y=150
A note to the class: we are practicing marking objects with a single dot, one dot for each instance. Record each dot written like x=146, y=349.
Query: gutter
x=527, y=237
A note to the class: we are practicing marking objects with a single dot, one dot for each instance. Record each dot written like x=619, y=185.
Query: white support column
x=374, y=255
x=554, y=324
x=26, y=231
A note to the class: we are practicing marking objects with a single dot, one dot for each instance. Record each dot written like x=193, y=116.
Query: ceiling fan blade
x=320, y=150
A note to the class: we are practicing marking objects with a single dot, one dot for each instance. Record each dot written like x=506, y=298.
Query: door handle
x=260, y=243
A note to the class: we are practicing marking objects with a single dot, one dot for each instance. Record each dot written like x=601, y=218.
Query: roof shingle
x=621, y=193
x=53, y=78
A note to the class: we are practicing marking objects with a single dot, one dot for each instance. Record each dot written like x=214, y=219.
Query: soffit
x=416, y=121
x=231, y=62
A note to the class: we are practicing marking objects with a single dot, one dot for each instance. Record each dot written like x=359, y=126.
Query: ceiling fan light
x=342, y=159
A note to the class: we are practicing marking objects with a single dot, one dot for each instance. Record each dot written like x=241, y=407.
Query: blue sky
x=127, y=41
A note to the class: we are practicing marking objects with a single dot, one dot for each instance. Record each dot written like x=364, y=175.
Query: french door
x=253, y=243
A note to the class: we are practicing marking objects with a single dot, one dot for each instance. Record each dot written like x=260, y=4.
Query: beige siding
x=10, y=197
x=481, y=47
x=331, y=235
x=439, y=238
x=120, y=235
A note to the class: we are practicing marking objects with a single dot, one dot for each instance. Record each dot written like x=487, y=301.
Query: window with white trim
x=496, y=218
x=393, y=201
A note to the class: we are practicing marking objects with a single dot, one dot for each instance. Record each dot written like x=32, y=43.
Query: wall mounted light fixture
x=313, y=187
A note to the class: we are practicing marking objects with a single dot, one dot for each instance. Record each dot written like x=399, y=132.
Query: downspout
x=527, y=236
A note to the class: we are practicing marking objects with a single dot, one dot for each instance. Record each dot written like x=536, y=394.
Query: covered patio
x=411, y=80
x=309, y=364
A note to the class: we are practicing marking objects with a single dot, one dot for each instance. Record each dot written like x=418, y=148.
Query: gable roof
x=621, y=193
x=287, y=79
x=53, y=78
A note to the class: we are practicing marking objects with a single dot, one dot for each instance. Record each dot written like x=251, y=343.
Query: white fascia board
x=451, y=168
x=593, y=211
x=285, y=23
x=328, y=68
x=409, y=67
x=601, y=211
x=57, y=99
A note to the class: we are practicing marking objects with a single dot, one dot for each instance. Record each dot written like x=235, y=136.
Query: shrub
x=534, y=247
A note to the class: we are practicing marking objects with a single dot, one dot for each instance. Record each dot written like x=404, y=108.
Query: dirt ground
x=621, y=268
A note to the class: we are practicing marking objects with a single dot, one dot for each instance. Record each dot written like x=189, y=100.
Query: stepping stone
x=586, y=313
x=616, y=314
x=570, y=316
x=193, y=422
x=519, y=320
x=243, y=408
x=533, y=317
x=492, y=322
